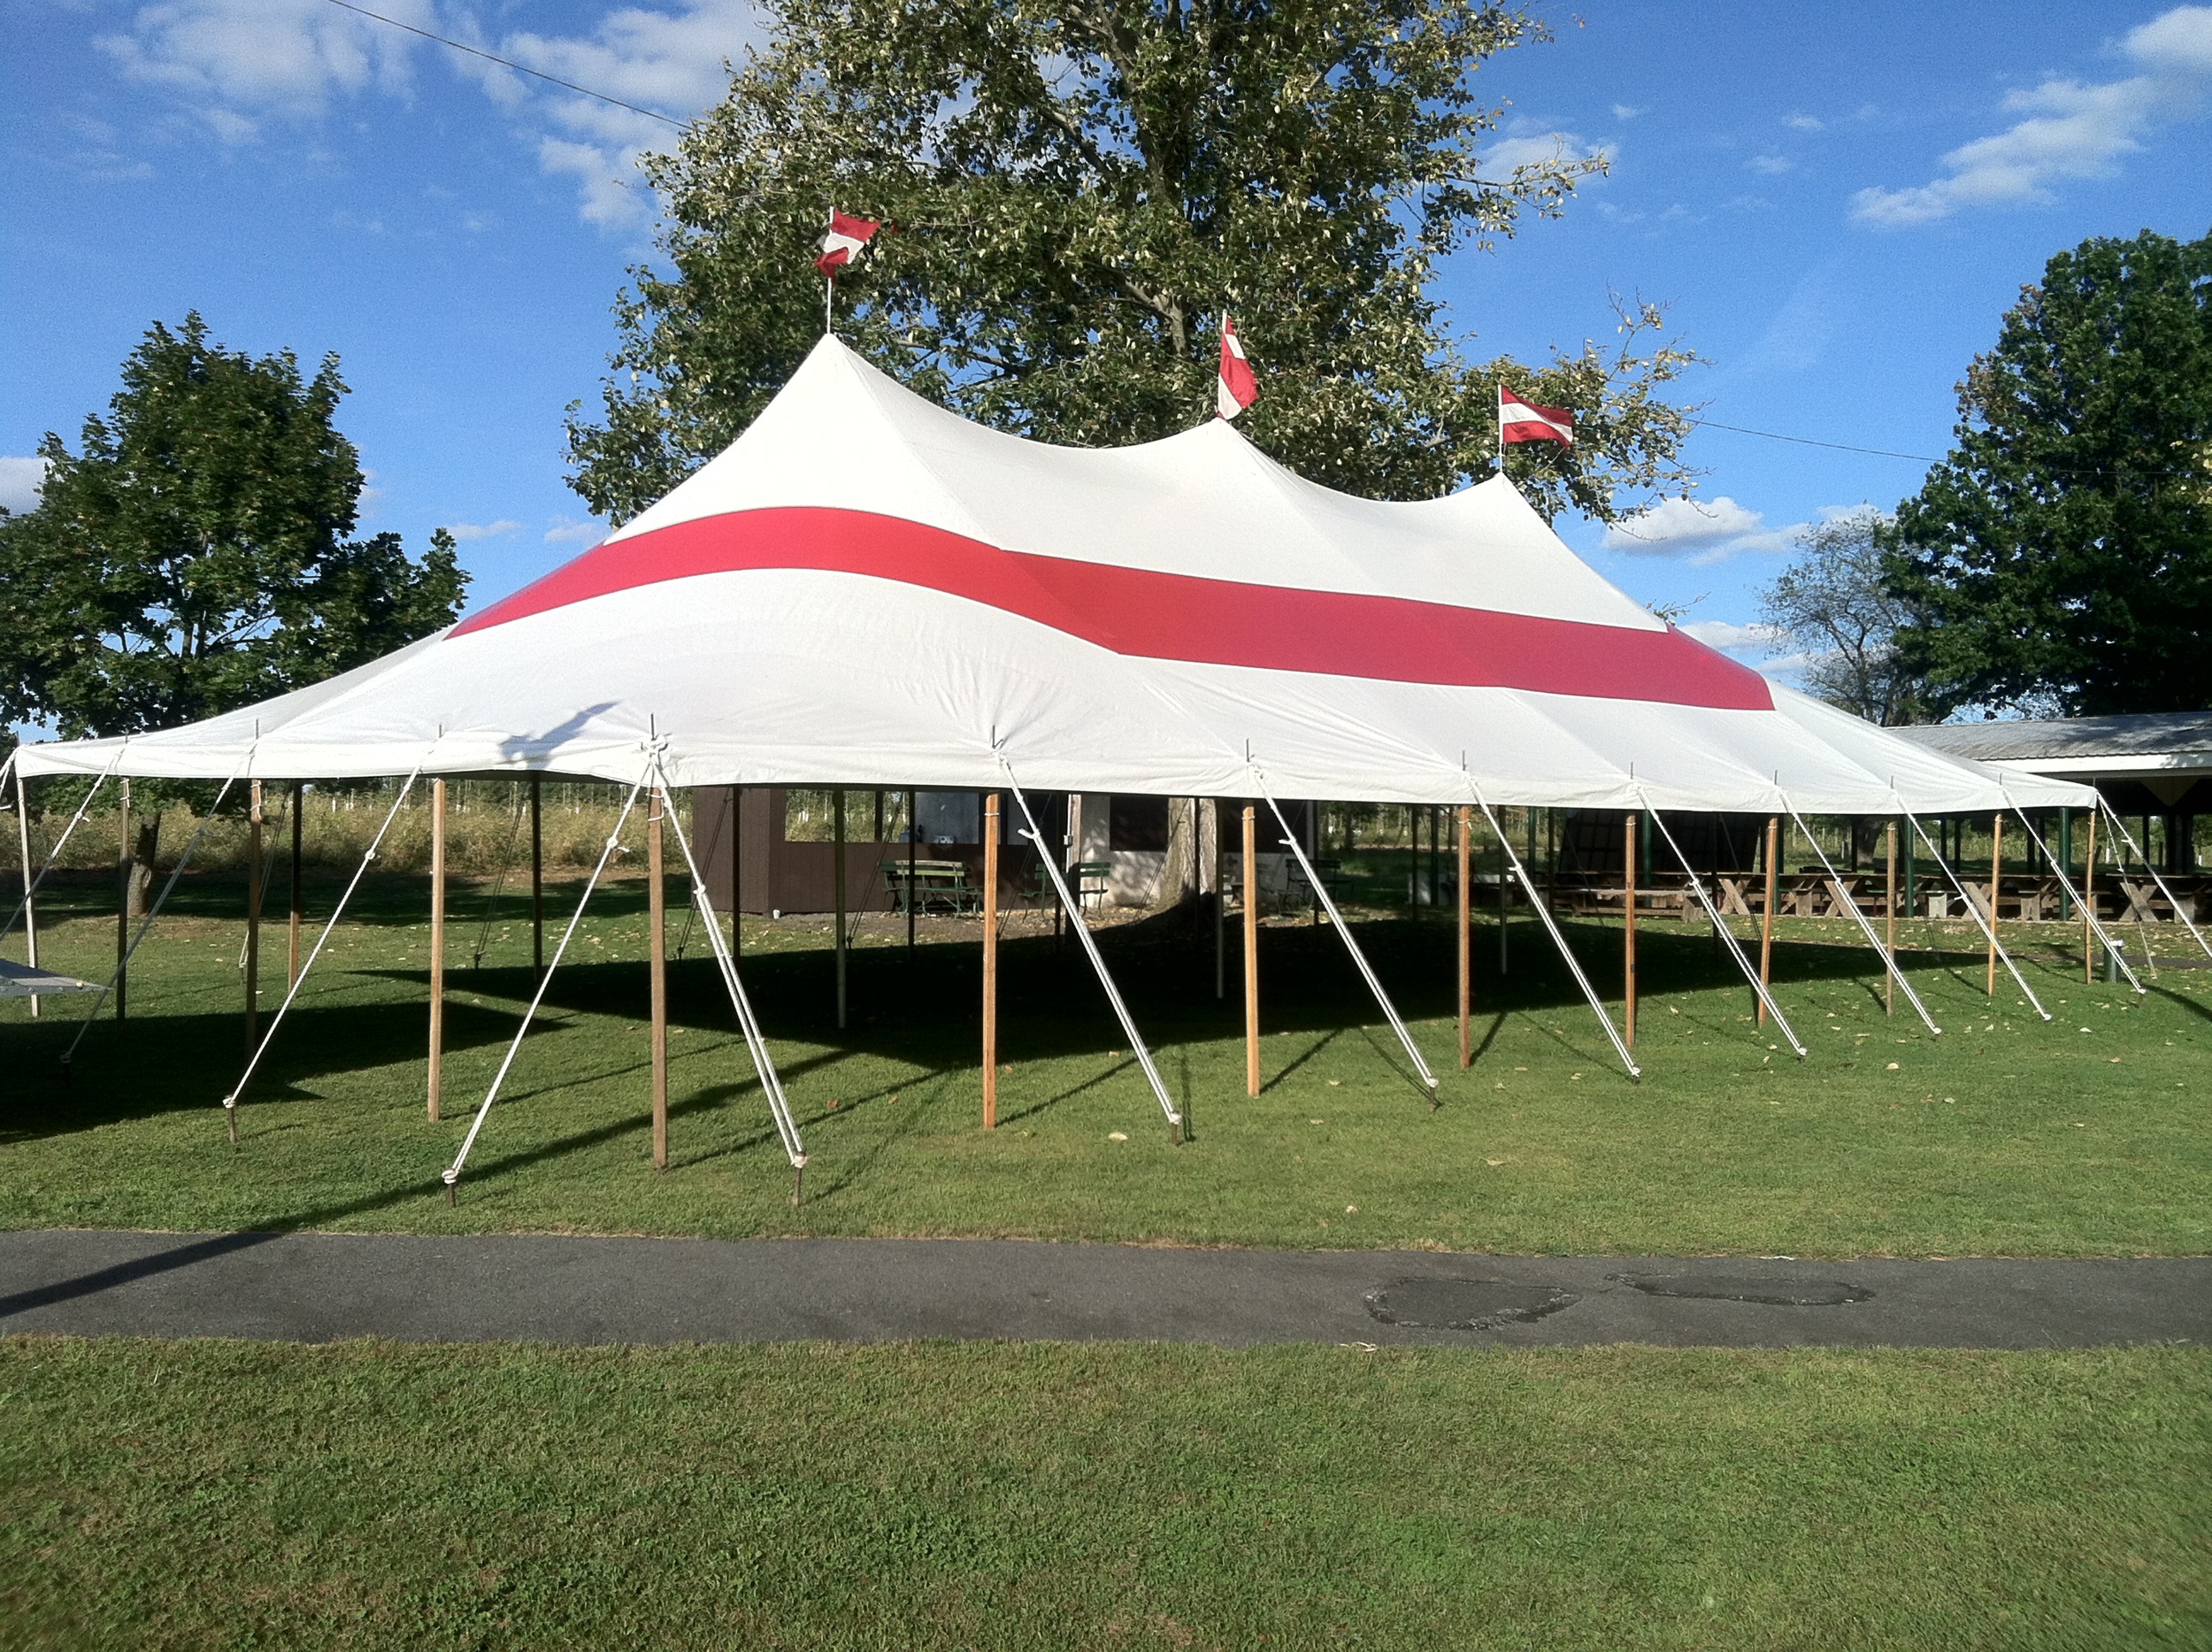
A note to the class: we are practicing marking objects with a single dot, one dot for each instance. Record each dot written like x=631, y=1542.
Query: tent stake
x=1512, y=862
x=1466, y=937
x=990, y=958
x=437, y=949
x=1893, y=977
x=1766, y=918
x=1722, y=934
x=1090, y=947
x=1359, y=958
x=1249, y=883
x=1628, y=943
x=656, y=908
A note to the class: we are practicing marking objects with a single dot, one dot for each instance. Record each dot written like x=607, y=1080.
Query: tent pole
x=1892, y=975
x=837, y=848
x=1628, y=910
x=1996, y=886
x=1221, y=909
x=737, y=870
x=1889, y=916
x=1766, y=918
x=452, y=1172
x=1359, y=958
x=292, y=919
x=913, y=835
x=2092, y=930
x=2142, y=853
x=1512, y=862
x=123, y=903
x=437, y=948
x=1725, y=934
x=1249, y=884
x=1974, y=910
x=537, y=874
x=230, y=1102
x=657, y=907
x=255, y=857
x=990, y=960
x=1090, y=947
x=23, y=841
x=1466, y=938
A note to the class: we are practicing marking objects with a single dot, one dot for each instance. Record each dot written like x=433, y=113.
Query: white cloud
x=1771, y=164
x=564, y=530
x=19, y=483
x=1623, y=111
x=241, y=65
x=1529, y=146
x=2070, y=130
x=1804, y=123
x=1724, y=634
x=488, y=530
x=1703, y=530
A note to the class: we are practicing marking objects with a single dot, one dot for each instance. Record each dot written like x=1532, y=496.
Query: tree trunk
x=1179, y=879
x=147, y=845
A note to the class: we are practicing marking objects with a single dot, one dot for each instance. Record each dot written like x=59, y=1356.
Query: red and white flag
x=1237, y=389
x=847, y=236
x=1525, y=421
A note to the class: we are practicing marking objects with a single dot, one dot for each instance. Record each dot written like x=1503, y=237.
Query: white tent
x=867, y=590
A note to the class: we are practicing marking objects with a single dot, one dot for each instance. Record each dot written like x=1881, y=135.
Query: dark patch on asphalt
x=1443, y=1305
x=1737, y=1288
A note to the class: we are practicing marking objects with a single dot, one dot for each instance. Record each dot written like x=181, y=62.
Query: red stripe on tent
x=1170, y=615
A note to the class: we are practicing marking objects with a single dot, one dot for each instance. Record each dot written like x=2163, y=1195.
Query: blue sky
x=1837, y=203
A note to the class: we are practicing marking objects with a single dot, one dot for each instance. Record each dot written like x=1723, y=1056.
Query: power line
x=1806, y=441
x=508, y=63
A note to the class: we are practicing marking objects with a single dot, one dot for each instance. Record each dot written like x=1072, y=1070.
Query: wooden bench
x=927, y=885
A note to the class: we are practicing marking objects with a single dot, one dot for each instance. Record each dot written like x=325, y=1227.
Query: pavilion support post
x=1628, y=938
x=296, y=910
x=990, y=961
x=123, y=875
x=1766, y=918
x=1889, y=916
x=1996, y=884
x=23, y=842
x=1249, y=886
x=537, y=874
x=837, y=847
x=656, y=908
x=1466, y=936
x=436, y=1084
x=2089, y=907
x=254, y=859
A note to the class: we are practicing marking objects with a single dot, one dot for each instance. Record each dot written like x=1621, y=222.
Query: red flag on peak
x=847, y=236
x=1525, y=421
x=1237, y=389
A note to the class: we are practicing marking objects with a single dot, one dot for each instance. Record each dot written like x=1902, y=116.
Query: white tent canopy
x=867, y=590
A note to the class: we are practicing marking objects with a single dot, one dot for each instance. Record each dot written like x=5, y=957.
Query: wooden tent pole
x=657, y=907
x=2089, y=905
x=123, y=903
x=298, y=904
x=990, y=961
x=913, y=838
x=1996, y=884
x=1628, y=940
x=1466, y=938
x=1766, y=919
x=23, y=841
x=837, y=848
x=1889, y=919
x=1250, y=884
x=737, y=870
x=537, y=874
x=437, y=951
x=253, y=918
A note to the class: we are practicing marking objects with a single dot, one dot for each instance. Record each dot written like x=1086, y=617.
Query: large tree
x=193, y=556
x=1076, y=192
x=2062, y=555
x=1833, y=603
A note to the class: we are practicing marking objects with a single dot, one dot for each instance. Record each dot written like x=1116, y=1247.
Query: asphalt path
x=314, y=1288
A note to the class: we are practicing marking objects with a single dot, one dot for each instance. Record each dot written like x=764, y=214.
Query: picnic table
x=931, y=886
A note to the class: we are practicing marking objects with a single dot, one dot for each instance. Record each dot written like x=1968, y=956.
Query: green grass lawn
x=2007, y=1135
x=1042, y=1495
